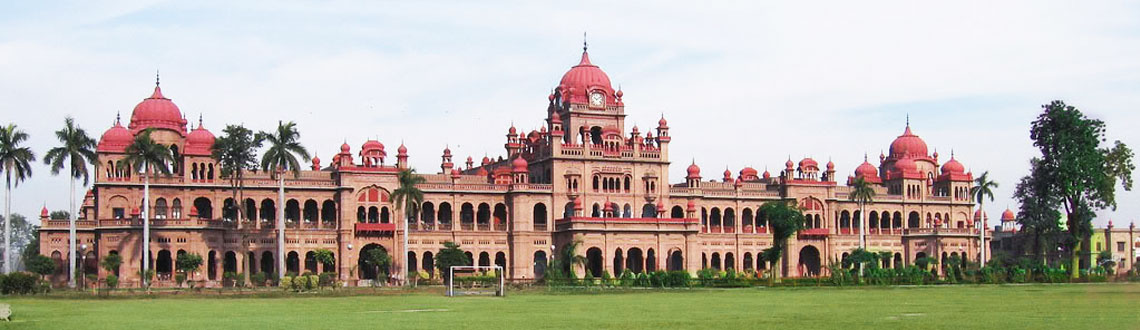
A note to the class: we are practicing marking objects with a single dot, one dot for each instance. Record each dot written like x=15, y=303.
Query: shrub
x=327, y=278
x=258, y=279
x=180, y=278
x=286, y=283
x=112, y=281
x=627, y=278
x=19, y=283
x=679, y=279
x=658, y=278
x=313, y=282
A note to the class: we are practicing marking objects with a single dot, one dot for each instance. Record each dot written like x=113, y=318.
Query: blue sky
x=742, y=83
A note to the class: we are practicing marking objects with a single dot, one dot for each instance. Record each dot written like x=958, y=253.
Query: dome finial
x=199, y=120
x=117, y=118
x=156, y=80
x=908, y=119
x=585, y=45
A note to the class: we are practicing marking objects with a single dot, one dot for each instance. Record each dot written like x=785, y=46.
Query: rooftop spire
x=156, y=80
x=585, y=45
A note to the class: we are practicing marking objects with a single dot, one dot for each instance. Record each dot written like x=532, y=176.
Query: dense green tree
x=40, y=264
x=1037, y=215
x=324, y=257
x=187, y=264
x=1082, y=174
x=379, y=259
x=151, y=157
x=111, y=263
x=785, y=220
x=408, y=198
x=59, y=215
x=284, y=147
x=236, y=153
x=15, y=162
x=450, y=255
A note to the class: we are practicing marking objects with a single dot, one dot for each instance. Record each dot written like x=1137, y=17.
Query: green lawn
x=1073, y=306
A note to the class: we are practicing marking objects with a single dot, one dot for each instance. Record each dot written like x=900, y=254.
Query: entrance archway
x=809, y=261
x=539, y=264
x=367, y=270
x=594, y=262
x=635, y=261
x=676, y=261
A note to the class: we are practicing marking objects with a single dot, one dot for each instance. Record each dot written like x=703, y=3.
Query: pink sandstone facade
x=581, y=177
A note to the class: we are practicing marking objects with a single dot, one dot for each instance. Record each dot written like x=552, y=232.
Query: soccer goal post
x=476, y=280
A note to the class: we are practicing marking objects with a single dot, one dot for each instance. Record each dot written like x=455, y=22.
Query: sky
x=742, y=83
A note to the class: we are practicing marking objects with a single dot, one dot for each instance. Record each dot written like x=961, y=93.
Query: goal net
x=475, y=280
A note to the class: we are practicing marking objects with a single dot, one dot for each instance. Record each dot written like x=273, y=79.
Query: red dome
x=808, y=162
x=662, y=123
x=978, y=215
x=371, y=145
x=403, y=151
x=1008, y=215
x=447, y=151
x=866, y=170
x=44, y=212
x=906, y=165
x=157, y=111
x=316, y=162
x=908, y=144
x=830, y=165
x=767, y=175
x=789, y=164
x=486, y=161
x=115, y=139
x=748, y=172
x=694, y=171
x=200, y=142
x=345, y=148
x=727, y=175
x=519, y=165
x=583, y=78
x=953, y=167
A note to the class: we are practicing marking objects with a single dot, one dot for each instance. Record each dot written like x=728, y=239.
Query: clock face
x=597, y=99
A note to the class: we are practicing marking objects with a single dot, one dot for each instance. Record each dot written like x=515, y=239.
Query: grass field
x=1071, y=306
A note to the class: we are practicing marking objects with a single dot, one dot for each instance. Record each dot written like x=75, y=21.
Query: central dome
x=583, y=78
x=157, y=111
x=908, y=144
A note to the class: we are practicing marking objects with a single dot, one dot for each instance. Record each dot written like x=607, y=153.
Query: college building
x=584, y=176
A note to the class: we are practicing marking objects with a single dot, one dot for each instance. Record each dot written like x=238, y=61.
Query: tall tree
x=75, y=151
x=284, y=147
x=1038, y=215
x=236, y=153
x=450, y=255
x=1077, y=170
x=786, y=220
x=408, y=197
x=152, y=158
x=863, y=194
x=15, y=162
x=23, y=234
x=983, y=188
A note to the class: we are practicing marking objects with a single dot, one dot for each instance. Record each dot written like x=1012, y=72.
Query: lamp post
x=82, y=264
x=346, y=276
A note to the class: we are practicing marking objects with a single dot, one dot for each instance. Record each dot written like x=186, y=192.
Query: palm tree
x=75, y=152
x=284, y=148
x=408, y=197
x=785, y=220
x=150, y=156
x=863, y=194
x=15, y=162
x=570, y=258
x=235, y=152
x=983, y=188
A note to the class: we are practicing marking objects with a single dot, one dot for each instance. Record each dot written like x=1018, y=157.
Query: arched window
x=160, y=208
x=677, y=212
x=268, y=210
x=204, y=208
x=328, y=211
x=539, y=216
x=311, y=212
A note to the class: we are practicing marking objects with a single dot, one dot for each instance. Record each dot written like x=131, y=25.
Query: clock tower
x=589, y=108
